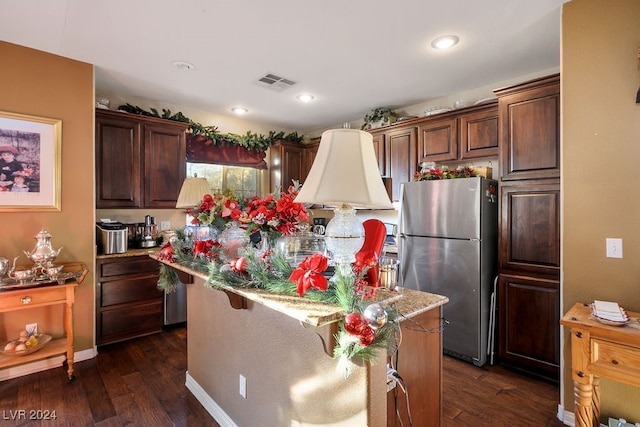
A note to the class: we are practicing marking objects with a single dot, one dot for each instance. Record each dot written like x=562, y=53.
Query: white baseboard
x=209, y=404
x=43, y=365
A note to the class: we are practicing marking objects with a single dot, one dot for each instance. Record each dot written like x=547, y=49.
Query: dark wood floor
x=141, y=383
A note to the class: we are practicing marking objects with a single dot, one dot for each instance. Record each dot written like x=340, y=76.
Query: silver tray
x=9, y=283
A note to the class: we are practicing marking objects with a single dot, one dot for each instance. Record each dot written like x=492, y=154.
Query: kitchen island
x=259, y=358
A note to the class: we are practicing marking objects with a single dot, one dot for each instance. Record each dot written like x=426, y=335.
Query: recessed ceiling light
x=183, y=65
x=445, y=42
x=239, y=110
x=305, y=98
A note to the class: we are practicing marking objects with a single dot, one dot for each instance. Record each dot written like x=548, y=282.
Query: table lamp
x=345, y=174
x=192, y=191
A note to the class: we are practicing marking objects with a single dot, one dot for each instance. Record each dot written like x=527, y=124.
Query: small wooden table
x=21, y=299
x=599, y=350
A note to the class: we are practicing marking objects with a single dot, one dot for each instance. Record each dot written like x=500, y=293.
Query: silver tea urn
x=42, y=254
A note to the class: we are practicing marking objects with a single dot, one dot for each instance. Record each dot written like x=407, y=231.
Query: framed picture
x=29, y=163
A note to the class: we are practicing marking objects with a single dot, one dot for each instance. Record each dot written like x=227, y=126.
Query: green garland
x=271, y=272
x=250, y=140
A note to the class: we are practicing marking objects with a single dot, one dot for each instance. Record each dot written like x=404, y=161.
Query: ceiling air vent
x=275, y=83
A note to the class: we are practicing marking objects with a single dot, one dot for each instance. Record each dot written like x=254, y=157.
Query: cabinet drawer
x=128, y=322
x=32, y=297
x=614, y=361
x=129, y=290
x=138, y=266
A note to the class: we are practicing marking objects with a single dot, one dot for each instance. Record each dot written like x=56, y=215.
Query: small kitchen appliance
x=112, y=237
x=149, y=233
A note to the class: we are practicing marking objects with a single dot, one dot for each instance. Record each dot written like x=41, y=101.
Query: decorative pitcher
x=42, y=254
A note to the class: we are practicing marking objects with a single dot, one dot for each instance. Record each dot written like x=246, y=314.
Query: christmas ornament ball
x=367, y=336
x=354, y=323
x=375, y=315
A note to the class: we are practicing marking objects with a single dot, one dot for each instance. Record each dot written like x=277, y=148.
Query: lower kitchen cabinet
x=128, y=301
x=530, y=324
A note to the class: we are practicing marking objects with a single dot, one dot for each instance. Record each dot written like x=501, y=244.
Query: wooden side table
x=21, y=299
x=599, y=350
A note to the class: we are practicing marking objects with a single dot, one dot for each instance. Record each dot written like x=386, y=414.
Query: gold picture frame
x=30, y=160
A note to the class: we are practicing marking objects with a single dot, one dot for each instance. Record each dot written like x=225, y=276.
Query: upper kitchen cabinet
x=140, y=161
x=309, y=155
x=468, y=133
x=396, y=149
x=438, y=140
x=530, y=129
x=478, y=133
x=286, y=163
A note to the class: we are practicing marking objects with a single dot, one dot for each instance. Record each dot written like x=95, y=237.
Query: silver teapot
x=42, y=254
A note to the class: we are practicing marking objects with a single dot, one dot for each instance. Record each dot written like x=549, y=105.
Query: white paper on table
x=608, y=310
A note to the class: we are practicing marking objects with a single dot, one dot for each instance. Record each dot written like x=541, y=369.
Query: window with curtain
x=244, y=181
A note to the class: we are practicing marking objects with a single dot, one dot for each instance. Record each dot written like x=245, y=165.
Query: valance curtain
x=201, y=150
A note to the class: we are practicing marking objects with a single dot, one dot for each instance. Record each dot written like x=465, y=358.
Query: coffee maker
x=147, y=232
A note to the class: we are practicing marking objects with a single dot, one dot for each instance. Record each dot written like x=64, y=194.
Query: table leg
x=583, y=394
x=68, y=327
x=595, y=405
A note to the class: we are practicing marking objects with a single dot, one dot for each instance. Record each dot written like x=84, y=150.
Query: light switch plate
x=614, y=248
x=165, y=225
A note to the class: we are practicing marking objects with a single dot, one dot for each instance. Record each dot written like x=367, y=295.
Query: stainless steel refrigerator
x=448, y=245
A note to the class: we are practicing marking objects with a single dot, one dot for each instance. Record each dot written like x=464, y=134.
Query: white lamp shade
x=192, y=191
x=345, y=171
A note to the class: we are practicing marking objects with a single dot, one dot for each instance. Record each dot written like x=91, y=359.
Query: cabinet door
x=118, y=155
x=530, y=228
x=286, y=163
x=530, y=130
x=438, y=140
x=479, y=134
x=401, y=158
x=529, y=316
x=378, y=148
x=310, y=151
x=164, y=164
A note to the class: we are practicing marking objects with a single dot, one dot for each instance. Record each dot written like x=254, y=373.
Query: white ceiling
x=352, y=55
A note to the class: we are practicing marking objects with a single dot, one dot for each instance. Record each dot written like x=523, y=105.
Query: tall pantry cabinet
x=529, y=248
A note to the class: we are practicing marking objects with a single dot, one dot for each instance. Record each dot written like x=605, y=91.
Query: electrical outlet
x=31, y=328
x=165, y=225
x=243, y=387
x=614, y=248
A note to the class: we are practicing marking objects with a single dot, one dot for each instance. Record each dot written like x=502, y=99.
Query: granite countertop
x=130, y=252
x=408, y=302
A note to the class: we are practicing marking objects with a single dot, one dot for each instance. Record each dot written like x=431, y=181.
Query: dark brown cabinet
x=396, y=149
x=478, y=133
x=438, y=140
x=529, y=328
x=530, y=227
x=529, y=240
x=309, y=155
x=128, y=301
x=530, y=130
x=286, y=163
x=140, y=161
x=469, y=133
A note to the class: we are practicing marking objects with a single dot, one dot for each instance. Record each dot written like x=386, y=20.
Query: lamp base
x=344, y=236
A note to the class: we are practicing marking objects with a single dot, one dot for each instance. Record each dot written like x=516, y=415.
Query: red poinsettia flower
x=308, y=274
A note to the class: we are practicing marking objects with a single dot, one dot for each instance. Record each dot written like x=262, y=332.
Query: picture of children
x=5, y=184
x=20, y=184
x=8, y=163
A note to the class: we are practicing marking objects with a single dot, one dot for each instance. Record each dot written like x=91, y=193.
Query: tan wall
x=290, y=379
x=600, y=183
x=40, y=84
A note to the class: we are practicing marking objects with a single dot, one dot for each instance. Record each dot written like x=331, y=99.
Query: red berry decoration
x=354, y=323
x=367, y=335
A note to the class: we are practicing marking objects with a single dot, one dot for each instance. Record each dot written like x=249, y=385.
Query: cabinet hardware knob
x=581, y=374
x=26, y=300
x=614, y=361
x=579, y=334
